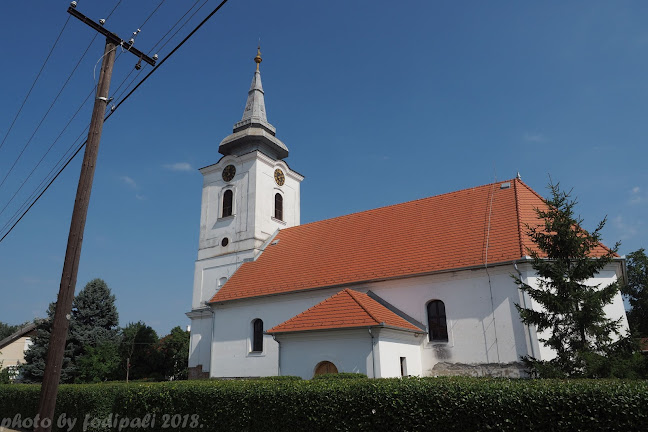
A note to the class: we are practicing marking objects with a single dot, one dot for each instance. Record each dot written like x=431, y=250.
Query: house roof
x=467, y=228
x=18, y=334
x=346, y=309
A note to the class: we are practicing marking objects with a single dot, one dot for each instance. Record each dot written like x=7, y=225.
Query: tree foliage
x=138, y=352
x=566, y=259
x=7, y=330
x=174, y=351
x=93, y=324
x=637, y=292
x=34, y=367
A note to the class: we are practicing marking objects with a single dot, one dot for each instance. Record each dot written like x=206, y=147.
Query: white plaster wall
x=251, y=223
x=348, y=350
x=466, y=294
x=479, y=330
x=267, y=188
x=391, y=345
x=231, y=356
x=199, y=341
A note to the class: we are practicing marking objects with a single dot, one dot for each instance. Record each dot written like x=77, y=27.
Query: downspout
x=274, y=337
x=373, y=357
x=211, y=342
x=525, y=307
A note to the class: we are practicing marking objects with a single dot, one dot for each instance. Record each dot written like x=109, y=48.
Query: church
x=421, y=288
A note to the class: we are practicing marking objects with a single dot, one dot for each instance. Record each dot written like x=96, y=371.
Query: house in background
x=13, y=347
x=419, y=288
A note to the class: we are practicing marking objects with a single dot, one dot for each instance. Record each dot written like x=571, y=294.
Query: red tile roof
x=470, y=227
x=346, y=309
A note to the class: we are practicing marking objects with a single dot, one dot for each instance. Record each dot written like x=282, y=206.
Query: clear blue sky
x=378, y=102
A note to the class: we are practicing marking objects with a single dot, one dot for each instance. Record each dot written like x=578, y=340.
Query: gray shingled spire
x=255, y=111
x=254, y=132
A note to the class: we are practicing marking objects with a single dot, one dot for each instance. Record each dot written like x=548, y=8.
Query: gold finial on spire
x=258, y=58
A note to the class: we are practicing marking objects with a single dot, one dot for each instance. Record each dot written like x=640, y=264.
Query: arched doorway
x=325, y=367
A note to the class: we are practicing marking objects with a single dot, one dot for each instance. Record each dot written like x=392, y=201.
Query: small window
x=227, y=203
x=437, y=326
x=278, y=213
x=403, y=365
x=257, y=335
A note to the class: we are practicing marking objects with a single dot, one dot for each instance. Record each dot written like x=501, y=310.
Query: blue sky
x=378, y=102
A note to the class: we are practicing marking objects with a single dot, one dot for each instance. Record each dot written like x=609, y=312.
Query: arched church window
x=227, y=203
x=278, y=213
x=257, y=335
x=437, y=324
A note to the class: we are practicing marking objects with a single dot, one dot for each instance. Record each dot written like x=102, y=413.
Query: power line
x=34, y=83
x=220, y=5
x=47, y=152
x=40, y=73
x=154, y=47
x=47, y=112
x=64, y=129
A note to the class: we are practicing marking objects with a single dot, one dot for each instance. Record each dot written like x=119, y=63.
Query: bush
x=279, y=378
x=340, y=376
x=412, y=404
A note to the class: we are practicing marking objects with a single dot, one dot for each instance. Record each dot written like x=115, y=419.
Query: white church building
x=419, y=288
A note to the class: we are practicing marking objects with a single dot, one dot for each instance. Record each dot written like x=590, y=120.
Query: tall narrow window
x=437, y=326
x=227, y=203
x=257, y=335
x=278, y=206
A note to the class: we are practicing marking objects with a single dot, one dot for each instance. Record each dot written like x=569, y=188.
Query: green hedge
x=413, y=404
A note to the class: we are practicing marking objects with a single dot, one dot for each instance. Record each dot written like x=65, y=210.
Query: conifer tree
x=567, y=257
x=93, y=323
x=93, y=332
x=34, y=367
x=637, y=292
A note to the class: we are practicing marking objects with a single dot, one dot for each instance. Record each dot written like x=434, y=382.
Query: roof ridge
x=351, y=293
x=401, y=203
x=519, y=216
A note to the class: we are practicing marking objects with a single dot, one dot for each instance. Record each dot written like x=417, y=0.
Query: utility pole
x=56, y=349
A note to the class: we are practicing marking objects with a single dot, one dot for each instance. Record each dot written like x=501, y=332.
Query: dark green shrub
x=412, y=404
x=340, y=376
x=280, y=378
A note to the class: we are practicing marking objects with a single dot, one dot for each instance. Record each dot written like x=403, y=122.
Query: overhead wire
x=45, y=116
x=40, y=123
x=64, y=128
x=114, y=108
x=35, y=81
x=117, y=97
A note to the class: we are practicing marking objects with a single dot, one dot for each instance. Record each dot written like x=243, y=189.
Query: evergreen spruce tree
x=93, y=324
x=35, y=356
x=637, y=292
x=94, y=332
x=572, y=310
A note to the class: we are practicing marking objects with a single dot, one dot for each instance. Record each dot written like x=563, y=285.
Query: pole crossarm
x=111, y=36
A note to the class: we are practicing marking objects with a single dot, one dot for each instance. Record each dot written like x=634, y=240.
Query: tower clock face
x=280, y=179
x=229, y=172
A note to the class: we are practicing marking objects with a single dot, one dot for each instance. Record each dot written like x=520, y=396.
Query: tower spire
x=254, y=131
x=255, y=111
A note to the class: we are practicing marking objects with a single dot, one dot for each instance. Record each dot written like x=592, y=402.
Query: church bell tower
x=248, y=195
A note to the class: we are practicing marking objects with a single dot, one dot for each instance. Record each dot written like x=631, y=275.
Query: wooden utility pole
x=56, y=349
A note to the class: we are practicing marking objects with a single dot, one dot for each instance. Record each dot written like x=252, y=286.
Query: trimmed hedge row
x=413, y=404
